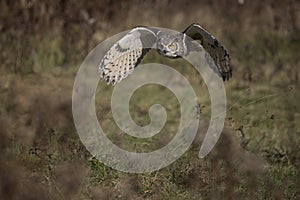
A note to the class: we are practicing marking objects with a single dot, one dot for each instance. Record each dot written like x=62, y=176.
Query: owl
x=126, y=54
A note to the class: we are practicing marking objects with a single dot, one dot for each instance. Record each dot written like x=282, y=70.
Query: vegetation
x=42, y=45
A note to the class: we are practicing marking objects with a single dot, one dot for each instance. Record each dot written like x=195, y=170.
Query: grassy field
x=41, y=48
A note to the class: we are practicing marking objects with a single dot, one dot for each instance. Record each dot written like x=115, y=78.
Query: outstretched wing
x=216, y=50
x=121, y=59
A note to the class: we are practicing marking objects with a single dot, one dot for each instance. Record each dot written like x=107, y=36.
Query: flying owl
x=122, y=58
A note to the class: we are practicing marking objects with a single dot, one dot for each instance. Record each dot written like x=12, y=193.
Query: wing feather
x=216, y=50
x=121, y=59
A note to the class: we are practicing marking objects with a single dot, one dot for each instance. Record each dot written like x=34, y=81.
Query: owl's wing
x=216, y=50
x=121, y=59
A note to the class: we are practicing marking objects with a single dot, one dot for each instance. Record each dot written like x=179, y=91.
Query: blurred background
x=42, y=45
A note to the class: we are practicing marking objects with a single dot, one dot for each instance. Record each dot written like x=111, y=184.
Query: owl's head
x=172, y=46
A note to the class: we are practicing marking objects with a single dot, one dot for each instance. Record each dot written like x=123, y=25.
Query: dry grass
x=41, y=48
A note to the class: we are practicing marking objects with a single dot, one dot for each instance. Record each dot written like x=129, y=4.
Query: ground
x=42, y=156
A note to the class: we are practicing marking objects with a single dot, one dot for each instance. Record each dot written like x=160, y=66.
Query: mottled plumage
x=121, y=59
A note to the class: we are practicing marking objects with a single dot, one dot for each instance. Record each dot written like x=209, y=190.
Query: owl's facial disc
x=168, y=46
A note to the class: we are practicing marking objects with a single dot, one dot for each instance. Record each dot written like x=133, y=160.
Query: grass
x=257, y=156
x=261, y=117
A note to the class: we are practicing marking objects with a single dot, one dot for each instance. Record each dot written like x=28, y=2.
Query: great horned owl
x=121, y=59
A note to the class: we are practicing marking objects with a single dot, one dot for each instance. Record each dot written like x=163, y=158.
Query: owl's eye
x=173, y=46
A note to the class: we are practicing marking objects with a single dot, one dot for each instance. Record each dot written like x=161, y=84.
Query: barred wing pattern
x=216, y=50
x=126, y=54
